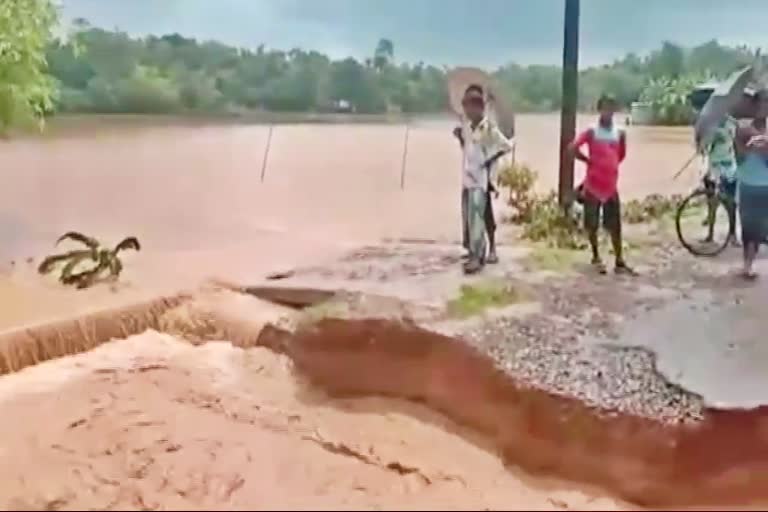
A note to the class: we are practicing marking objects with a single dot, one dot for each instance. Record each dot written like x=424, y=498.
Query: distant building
x=343, y=106
x=641, y=113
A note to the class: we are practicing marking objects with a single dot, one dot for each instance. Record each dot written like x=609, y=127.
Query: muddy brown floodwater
x=153, y=422
x=196, y=190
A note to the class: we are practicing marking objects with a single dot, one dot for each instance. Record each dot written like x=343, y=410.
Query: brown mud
x=722, y=460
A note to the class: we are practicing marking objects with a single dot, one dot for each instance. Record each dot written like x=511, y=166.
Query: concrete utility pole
x=570, y=99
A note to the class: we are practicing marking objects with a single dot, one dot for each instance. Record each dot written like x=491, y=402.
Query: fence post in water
x=570, y=100
x=266, y=153
x=405, y=156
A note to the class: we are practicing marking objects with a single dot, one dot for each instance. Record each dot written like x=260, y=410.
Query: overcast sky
x=451, y=32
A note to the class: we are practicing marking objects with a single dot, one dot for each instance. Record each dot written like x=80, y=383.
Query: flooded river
x=183, y=187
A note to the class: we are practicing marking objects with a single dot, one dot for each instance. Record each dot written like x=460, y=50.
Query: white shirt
x=480, y=144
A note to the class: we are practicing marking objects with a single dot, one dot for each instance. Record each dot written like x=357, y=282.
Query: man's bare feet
x=472, y=266
x=748, y=274
x=623, y=269
x=599, y=266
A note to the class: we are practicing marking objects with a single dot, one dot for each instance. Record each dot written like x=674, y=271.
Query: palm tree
x=384, y=54
x=104, y=259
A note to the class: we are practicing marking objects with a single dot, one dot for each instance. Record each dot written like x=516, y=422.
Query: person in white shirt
x=483, y=144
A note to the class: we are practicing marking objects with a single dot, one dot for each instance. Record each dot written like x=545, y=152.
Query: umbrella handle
x=687, y=164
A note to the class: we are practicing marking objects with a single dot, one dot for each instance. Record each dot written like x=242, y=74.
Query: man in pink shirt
x=607, y=145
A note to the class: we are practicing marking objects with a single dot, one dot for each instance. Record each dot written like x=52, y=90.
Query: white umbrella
x=459, y=79
x=502, y=114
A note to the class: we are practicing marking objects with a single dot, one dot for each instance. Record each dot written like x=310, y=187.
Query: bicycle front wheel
x=703, y=223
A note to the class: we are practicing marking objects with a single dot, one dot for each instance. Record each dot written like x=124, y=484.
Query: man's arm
x=743, y=135
x=574, y=147
x=622, y=146
x=459, y=134
x=501, y=146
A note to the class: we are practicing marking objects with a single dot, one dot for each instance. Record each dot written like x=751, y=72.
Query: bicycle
x=699, y=210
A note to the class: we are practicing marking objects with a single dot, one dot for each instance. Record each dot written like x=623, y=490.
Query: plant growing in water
x=102, y=260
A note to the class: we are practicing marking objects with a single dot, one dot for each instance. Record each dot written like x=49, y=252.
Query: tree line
x=93, y=70
x=110, y=72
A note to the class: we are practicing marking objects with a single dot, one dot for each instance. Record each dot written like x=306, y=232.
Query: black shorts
x=610, y=209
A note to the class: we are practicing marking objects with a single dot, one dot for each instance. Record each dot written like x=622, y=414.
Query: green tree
x=69, y=68
x=147, y=91
x=27, y=92
x=352, y=82
x=198, y=92
x=711, y=57
x=669, y=61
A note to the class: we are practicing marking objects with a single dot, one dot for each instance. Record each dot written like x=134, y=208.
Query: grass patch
x=474, y=299
x=552, y=259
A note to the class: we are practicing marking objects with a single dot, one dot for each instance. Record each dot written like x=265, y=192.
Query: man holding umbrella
x=487, y=125
x=752, y=149
x=483, y=144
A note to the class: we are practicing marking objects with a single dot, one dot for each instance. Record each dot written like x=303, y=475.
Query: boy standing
x=483, y=144
x=607, y=146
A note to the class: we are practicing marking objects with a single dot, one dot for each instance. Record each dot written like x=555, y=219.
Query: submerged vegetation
x=96, y=259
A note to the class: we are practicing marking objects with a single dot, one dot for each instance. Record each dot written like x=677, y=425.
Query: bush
x=543, y=220
x=551, y=225
x=519, y=180
x=651, y=208
x=73, y=100
x=541, y=216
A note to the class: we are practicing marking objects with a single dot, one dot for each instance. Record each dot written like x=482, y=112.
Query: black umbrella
x=725, y=99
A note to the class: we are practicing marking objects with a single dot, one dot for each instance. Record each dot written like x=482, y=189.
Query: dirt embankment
x=155, y=423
